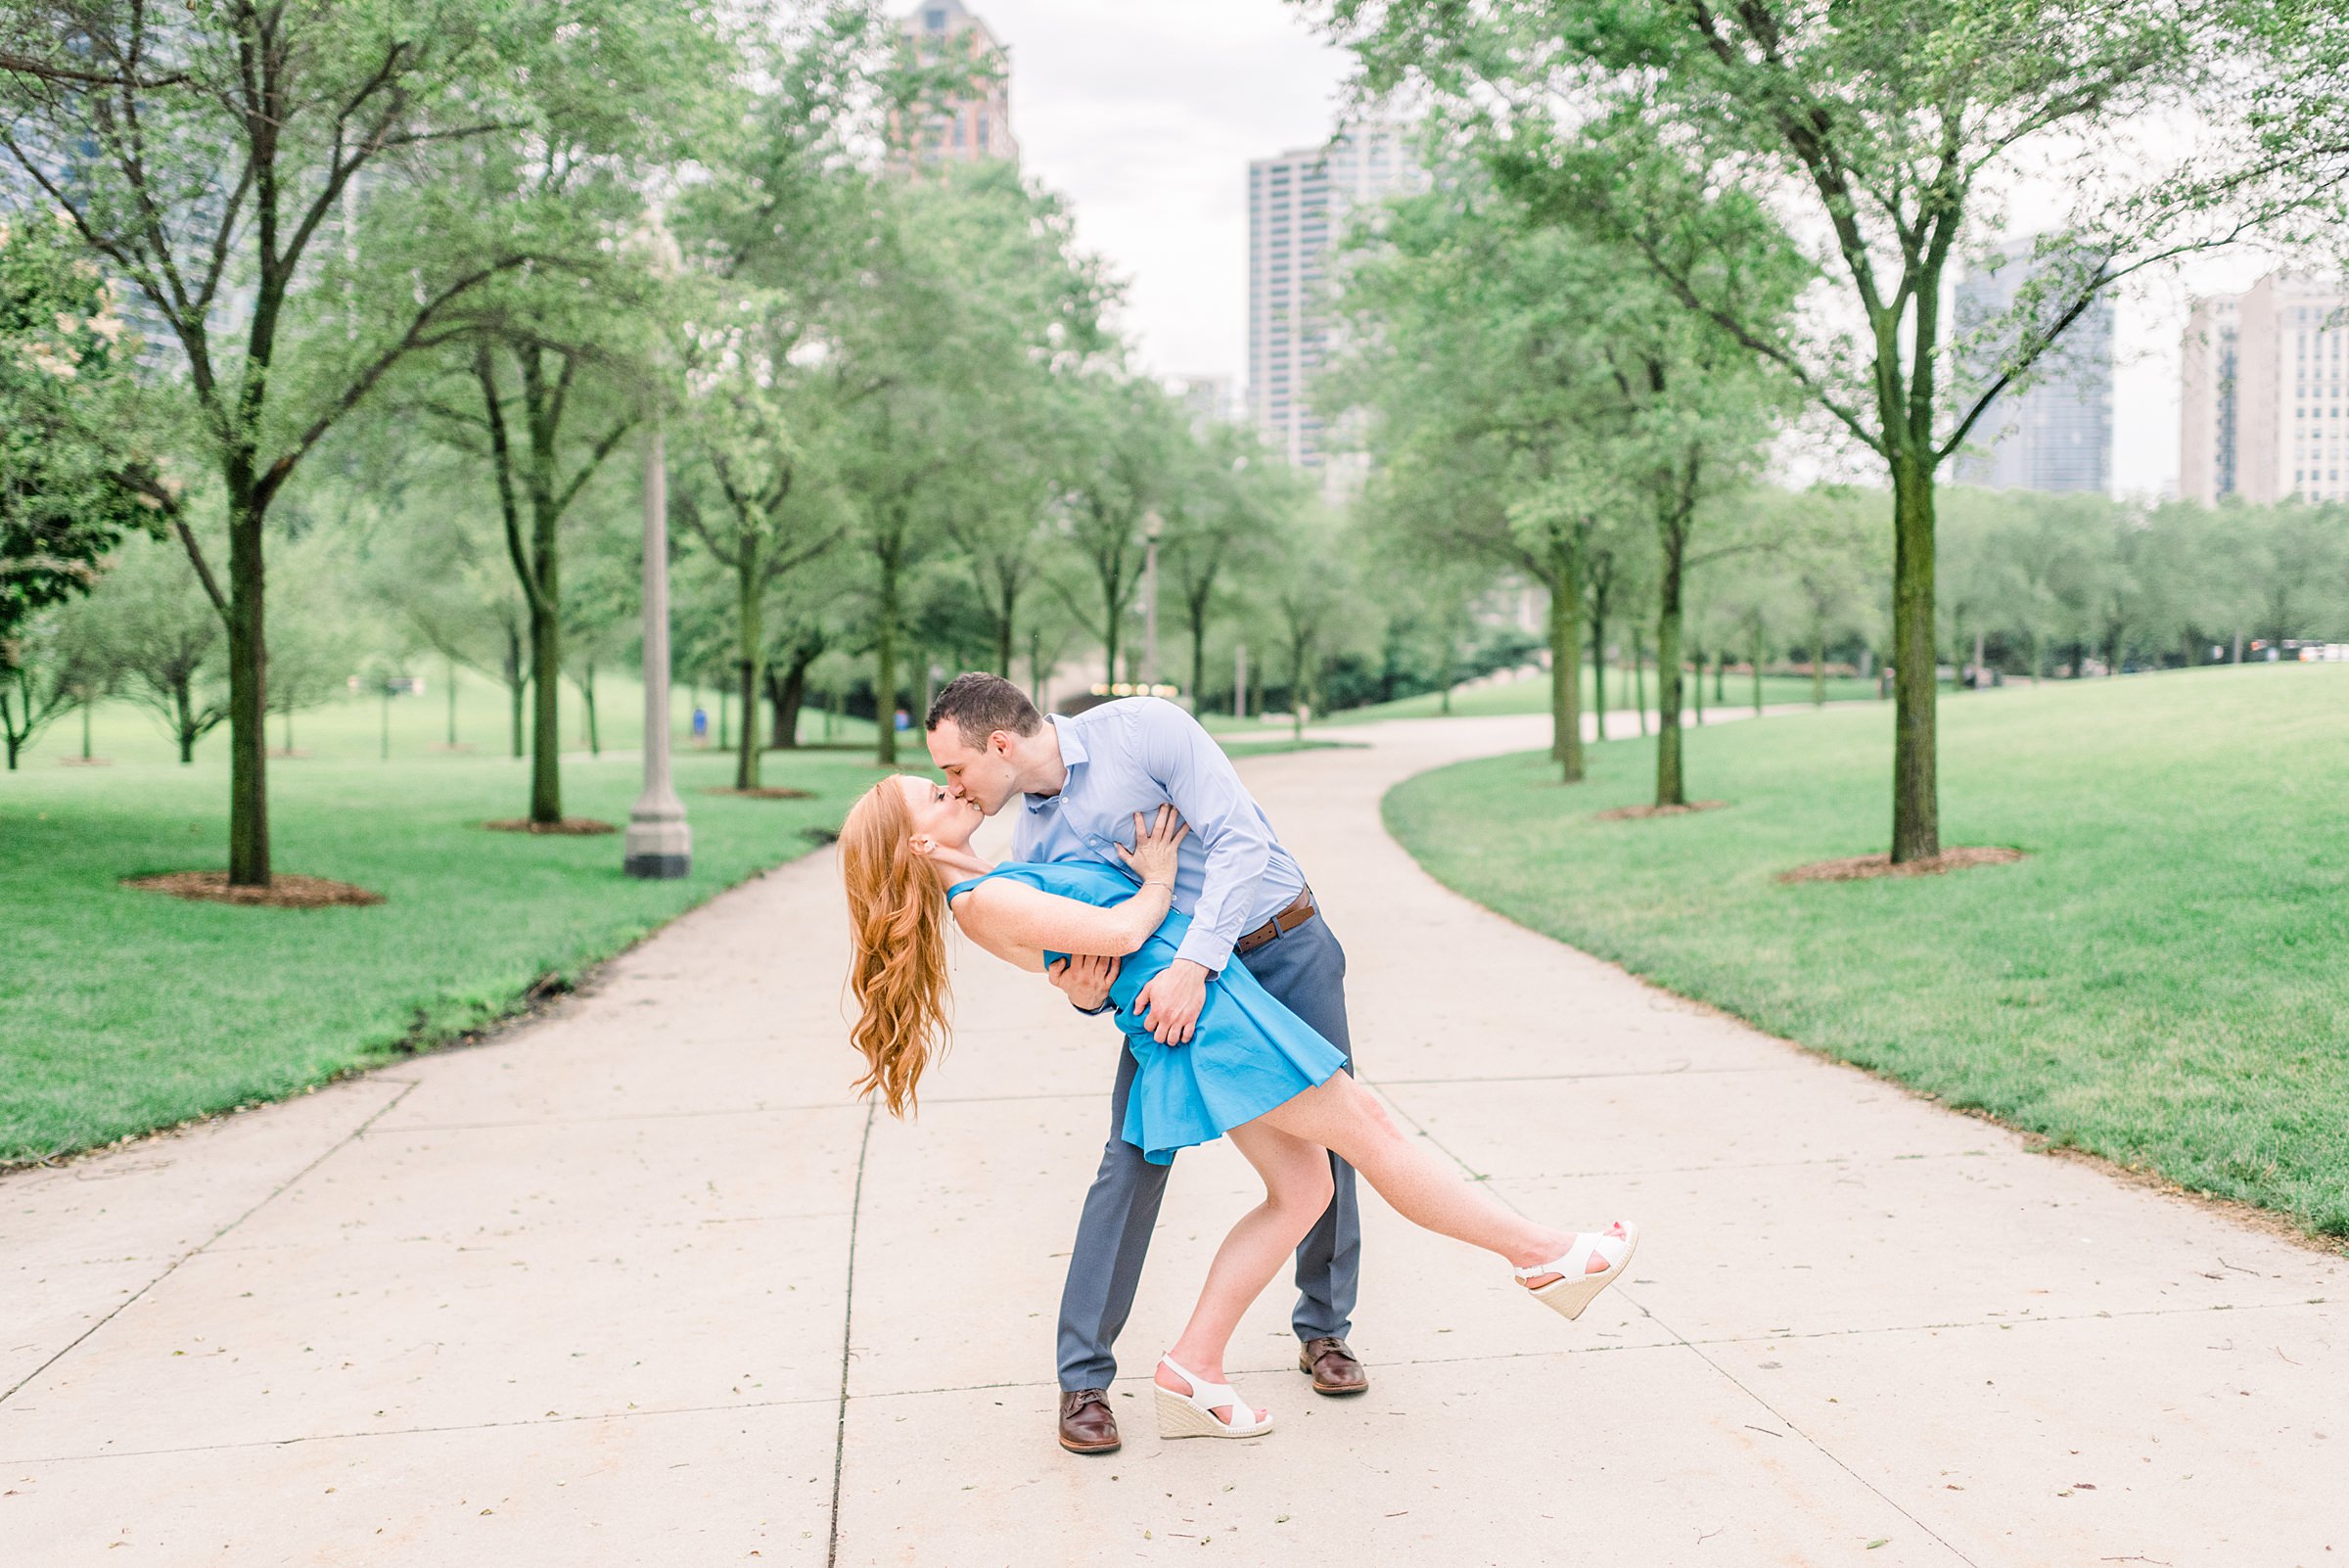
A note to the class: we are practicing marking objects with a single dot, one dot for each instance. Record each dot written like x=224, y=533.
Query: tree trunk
x=1696, y=685
x=1599, y=663
x=1639, y=676
x=885, y=673
x=595, y=739
x=1670, y=789
x=1109, y=641
x=546, y=678
x=517, y=682
x=790, y=693
x=1198, y=617
x=1916, y=794
x=750, y=640
x=1566, y=666
x=248, y=693
x=184, y=724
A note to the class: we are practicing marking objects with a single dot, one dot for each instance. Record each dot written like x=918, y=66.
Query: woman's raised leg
x=1343, y=1116
x=1297, y=1188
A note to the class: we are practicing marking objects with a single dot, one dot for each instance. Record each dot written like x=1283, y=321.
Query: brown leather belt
x=1288, y=920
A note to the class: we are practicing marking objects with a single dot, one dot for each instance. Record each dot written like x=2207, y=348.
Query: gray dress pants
x=1306, y=969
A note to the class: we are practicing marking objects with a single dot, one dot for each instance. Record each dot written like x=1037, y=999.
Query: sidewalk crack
x=203, y=1246
x=848, y=1319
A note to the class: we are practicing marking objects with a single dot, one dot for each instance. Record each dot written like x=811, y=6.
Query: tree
x=1124, y=439
x=46, y=672
x=1469, y=359
x=151, y=627
x=1306, y=592
x=971, y=282
x=235, y=149
x=769, y=515
x=1236, y=497
x=76, y=453
x=1884, y=132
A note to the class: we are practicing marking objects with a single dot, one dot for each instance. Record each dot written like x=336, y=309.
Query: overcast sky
x=1144, y=116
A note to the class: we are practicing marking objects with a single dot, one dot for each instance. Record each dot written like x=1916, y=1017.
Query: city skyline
x=1146, y=118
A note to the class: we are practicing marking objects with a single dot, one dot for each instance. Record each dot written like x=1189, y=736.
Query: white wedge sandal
x=1577, y=1287
x=1193, y=1414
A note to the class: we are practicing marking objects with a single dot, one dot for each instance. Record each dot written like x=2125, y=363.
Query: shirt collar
x=1073, y=756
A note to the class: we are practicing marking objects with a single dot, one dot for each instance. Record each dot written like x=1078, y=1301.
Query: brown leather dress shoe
x=1086, y=1425
x=1332, y=1368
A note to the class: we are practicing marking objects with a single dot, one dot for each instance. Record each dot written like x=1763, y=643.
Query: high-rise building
x=1296, y=207
x=2056, y=434
x=2265, y=405
x=2208, y=464
x=965, y=128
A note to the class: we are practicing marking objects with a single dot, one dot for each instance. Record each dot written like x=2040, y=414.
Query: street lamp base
x=658, y=846
x=658, y=868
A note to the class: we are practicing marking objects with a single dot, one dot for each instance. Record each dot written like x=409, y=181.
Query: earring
x=923, y=843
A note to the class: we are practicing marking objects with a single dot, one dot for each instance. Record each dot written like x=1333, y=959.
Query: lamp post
x=659, y=843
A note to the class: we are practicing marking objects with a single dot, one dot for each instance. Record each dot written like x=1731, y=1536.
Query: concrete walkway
x=640, y=1284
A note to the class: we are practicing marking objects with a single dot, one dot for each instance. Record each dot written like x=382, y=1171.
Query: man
x=1080, y=781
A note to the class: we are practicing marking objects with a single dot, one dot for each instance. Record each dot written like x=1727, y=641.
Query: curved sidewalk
x=638, y=1284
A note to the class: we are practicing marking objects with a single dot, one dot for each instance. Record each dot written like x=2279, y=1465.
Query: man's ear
x=1001, y=742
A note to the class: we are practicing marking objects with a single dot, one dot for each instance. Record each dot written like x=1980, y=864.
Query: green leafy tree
x=77, y=466
x=1884, y=132
x=283, y=182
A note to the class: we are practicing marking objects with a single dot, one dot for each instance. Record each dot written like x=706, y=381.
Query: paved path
x=583, y=1297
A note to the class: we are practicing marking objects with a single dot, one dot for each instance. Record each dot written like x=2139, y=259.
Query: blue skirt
x=1246, y=1054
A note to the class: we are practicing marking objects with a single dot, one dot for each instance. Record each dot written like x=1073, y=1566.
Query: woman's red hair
x=898, y=947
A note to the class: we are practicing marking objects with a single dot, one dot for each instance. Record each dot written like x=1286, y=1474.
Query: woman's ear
x=923, y=844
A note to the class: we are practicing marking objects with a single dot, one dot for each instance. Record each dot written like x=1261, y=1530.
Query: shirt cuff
x=1108, y=1007
x=1205, y=948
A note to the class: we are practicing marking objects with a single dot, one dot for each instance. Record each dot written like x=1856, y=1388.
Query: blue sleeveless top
x=1246, y=1054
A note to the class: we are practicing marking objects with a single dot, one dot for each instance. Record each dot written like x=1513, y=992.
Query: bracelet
x=1168, y=886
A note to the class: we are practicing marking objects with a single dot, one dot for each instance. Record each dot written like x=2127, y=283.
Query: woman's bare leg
x=1343, y=1116
x=1297, y=1188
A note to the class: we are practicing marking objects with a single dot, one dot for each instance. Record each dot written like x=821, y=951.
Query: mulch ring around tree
x=1633, y=813
x=1860, y=868
x=287, y=890
x=766, y=792
x=570, y=825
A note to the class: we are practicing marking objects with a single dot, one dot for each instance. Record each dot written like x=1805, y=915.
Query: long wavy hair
x=898, y=947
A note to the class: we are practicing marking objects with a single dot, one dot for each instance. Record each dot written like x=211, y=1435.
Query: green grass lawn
x=352, y=727
x=2164, y=982
x=127, y=1010
x=1532, y=696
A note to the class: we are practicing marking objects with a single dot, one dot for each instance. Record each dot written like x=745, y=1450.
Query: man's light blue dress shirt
x=1136, y=755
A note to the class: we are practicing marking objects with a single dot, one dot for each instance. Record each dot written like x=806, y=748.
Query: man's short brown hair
x=979, y=704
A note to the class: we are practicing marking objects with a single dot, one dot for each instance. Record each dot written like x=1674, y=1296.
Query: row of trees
x=421, y=277
x=1754, y=210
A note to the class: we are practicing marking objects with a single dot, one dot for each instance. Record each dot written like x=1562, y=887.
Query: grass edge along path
x=132, y=1012
x=2163, y=983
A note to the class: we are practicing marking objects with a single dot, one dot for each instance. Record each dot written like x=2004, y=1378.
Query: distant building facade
x=2264, y=408
x=968, y=128
x=2056, y=434
x=1296, y=207
x=1208, y=399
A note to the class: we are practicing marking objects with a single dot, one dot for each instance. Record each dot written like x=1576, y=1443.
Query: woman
x=1253, y=1070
